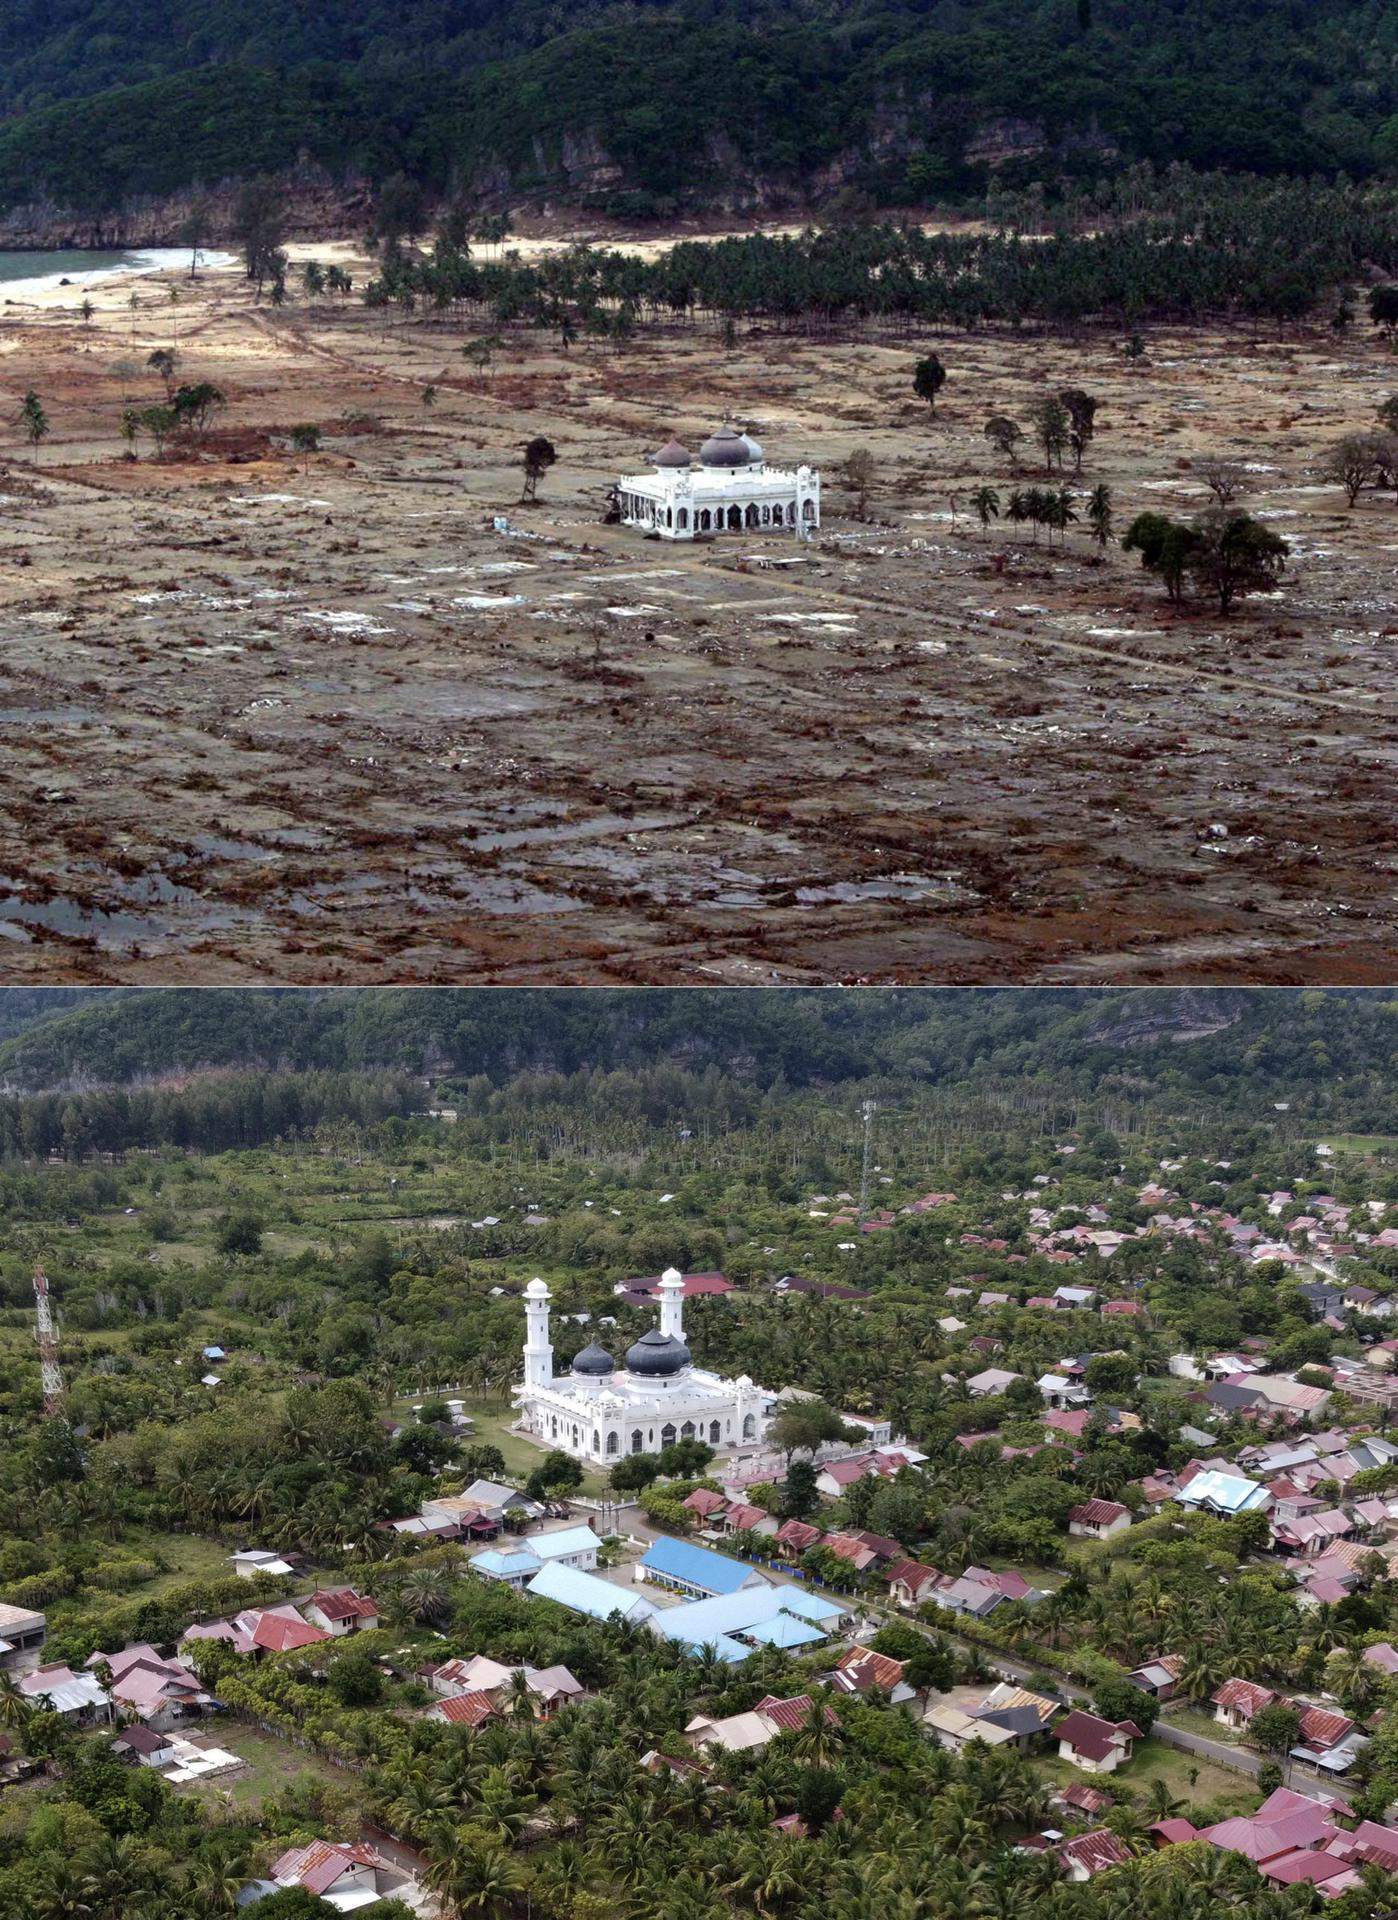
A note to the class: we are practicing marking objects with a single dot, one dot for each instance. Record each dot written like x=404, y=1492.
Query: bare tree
x=1224, y=478
x=1359, y=460
x=858, y=475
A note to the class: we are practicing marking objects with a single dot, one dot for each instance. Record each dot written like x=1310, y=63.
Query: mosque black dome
x=655, y=1356
x=594, y=1359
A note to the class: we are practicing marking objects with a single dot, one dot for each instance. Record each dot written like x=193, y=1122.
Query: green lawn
x=492, y=1420
x=1196, y=1720
x=191, y=1558
x=1367, y=1143
x=273, y=1765
x=1214, y=1785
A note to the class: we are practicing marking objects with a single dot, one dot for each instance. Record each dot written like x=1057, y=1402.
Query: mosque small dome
x=594, y=1360
x=655, y=1356
x=725, y=448
x=672, y=454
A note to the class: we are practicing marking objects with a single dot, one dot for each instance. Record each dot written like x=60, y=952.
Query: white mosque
x=601, y=1410
x=730, y=489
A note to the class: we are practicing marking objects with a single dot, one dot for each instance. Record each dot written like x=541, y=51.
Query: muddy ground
x=267, y=718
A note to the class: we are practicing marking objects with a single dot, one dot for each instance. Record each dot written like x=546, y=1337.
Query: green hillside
x=1334, y=1053
x=642, y=106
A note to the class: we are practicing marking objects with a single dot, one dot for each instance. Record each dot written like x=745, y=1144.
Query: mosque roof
x=725, y=447
x=657, y=1355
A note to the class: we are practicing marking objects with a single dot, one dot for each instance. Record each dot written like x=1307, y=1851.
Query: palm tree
x=471, y=1873
x=986, y=502
x=62, y=1893
x=818, y=1739
x=15, y=1705
x=1160, y=1803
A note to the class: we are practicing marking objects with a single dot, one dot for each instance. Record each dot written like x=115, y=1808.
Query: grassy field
x=1195, y=1720
x=273, y=1764
x=1213, y=1785
x=1382, y=1145
x=492, y=1422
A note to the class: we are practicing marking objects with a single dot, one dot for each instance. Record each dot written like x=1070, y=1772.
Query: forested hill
x=1229, y=1048
x=643, y=106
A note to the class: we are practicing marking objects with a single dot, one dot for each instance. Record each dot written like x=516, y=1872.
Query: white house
x=730, y=489
x=1094, y=1745
x=340, y=1611
x=1098, y=1519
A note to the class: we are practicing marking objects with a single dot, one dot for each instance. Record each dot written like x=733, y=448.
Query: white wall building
x=602, y=1410
x=730, y=489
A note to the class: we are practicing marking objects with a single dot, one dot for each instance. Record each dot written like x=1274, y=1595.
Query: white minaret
x=672, y=1303
x=538, y=1353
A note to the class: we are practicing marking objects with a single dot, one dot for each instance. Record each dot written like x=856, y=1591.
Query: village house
x=345, y=1877
x=1159, y=1677
x=1095, y=1745
x=860, y=1670
x=23, y=1631
x=161, y=1692
x=1238, y=1701
x=340, y=1611
x=909, y=1583
x=145, y=1746
x=79, y=1698
x=478, y=1677
x=1088, y=1854
x=741, y=1732
x=1098, y=1519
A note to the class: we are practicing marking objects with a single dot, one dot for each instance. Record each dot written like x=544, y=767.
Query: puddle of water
x=487, y=602
x=47, y=716
x=891, y=886
x=344, y=622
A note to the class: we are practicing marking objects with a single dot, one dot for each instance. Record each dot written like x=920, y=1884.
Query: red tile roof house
x=1081, y=1798
x=327, y=1871
x=704, y=1503
x=846, y=1547
x=1321, y=1730
x=1159, y=1678
x=1286, y=1823
x=1237, y=1701
x=1098, y=1519
x=744, y=1519
x=278, y=1629
x=1089, y=1854
x=1382, y=1656
x=910, y=1583
x=860, y=1670
x=836, y=1475
x=795, y=1537
x=1095, y=1745
x=879, y=1543
x=340, y=1610
x=464, y=1710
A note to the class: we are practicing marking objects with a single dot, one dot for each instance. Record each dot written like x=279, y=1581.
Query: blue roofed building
x=1225, y=1493
x=585, y=1593
x=517, y=1565
x=736, y=1623
x=685, y=1568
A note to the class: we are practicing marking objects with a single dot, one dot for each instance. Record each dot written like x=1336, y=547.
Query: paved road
x=1219, y=1751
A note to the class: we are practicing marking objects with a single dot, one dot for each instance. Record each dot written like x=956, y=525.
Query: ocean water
x=22, y=274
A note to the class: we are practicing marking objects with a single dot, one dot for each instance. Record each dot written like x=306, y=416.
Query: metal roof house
x=736, y=1623
x=685, y=1568
x=585, y=1593
x=1225, y=1493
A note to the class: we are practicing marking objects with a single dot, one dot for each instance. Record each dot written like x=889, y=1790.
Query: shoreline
x=59, y=289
